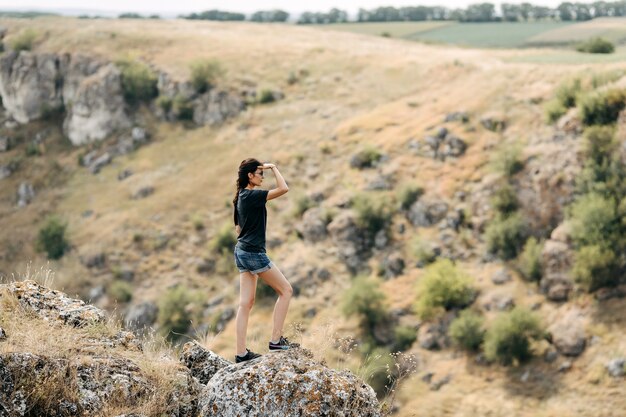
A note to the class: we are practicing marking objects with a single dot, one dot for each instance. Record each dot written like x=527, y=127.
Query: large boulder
x=568, y=333
x=557, y=261
x=313, y=226
x=215, y=106
x=289, y=383
x=30, y=84
x=141, y=316
x=353, y=243
x=202, y=362
x=84, y=385
x=98, y=107
x=427, y=212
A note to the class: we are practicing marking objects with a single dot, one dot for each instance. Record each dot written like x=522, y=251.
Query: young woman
x=250, y=216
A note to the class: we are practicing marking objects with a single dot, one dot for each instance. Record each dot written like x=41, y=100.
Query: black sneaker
x=283, y=344
x=249, y=355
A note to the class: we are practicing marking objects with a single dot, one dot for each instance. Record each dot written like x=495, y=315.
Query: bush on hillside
x=372, y=214
x=596, y=266
x=165, y=103
x=174, y=316
x=266, y=96
x=602, y=107
x=403, y=338
x=366, y=158
x=509, y=337
x=508, y=160
x=408, y=195
x=467, y=331
x=24, y=41
x=594, y=219
x=204, y=74
x=365, y=300
x=224, y=240
x=302, y=203
x=120, y=291
x=504, y=199
x=568, y=91
x=596, y=45
x=139, y=82
x=505, y=235
x=443, y=287
x=52, y=239
x=182, y=107
x=599, y=144
x=423, y=251
x=529, y=261
x=554, y=110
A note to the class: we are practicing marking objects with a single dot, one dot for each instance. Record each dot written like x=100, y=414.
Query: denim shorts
x=254, y=263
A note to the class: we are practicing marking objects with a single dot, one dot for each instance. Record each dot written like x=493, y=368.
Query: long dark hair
x=247, y=166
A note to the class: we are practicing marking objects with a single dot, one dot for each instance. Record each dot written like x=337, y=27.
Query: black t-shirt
x=252, y=218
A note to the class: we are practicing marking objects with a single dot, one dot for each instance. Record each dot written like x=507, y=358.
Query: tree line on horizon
x=479, y=12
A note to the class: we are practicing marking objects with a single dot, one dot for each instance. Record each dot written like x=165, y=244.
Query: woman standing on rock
x=250, y=216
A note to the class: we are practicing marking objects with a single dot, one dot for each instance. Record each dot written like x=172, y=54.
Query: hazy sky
x=246, y=6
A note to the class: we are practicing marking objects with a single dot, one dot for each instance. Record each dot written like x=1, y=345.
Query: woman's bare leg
x=275, y=279
x=247, y=291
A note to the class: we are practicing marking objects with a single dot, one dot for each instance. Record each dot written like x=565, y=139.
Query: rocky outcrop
x=313, y=225
x=215, y=107
x=202, y=363
x=29, y=84
x=443, y=145
x=97, y=108
x=557, y=260
x=289, y=383
x=568, y=333
x=427, y=212
x=352, y=243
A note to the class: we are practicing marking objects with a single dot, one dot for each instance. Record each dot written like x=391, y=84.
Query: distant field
x=613, y=29
x=394, y=29
x=493, y=35
x=490, y=35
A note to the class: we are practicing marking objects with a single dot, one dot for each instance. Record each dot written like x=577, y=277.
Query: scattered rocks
x=304, y=278
x=443, y=145
x=202, y=362
x=313, y=225
x=5, y=171
x=433, y=336
x=568, y=333
x=25, y=194
x=96, y=165
x=5, y=143
x=436, y=385
x=615, y=367
x=3, y=334
x=565, y=366
x=214, y=107
x=122, y=175
x=557, y=261
x=493, y=124
x=550, y=355
x=139, y=134
x=498, y=300
x=54, y=305
x=607, y=293
x=143, y=192
x=393, y=266
x=286, y=383
x=502, y=276
x=141, y=316
x=94, y=260
x=457, y=116
x=352, y=243
x=425, y=212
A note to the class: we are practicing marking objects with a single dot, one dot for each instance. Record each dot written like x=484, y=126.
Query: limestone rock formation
x=289, y=383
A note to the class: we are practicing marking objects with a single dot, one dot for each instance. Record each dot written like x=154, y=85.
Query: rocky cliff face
x=90, y=94
x=81, y=381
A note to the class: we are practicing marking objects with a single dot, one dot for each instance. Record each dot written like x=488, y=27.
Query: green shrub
x=443, y=287
x=467, y=331
x=567, y=92
x=423, y=251
x=224, y=240
x=365, y=300
x=596, y=267
x=403, y=338
x=52, y=239
x=554, y=110
x=174, y=316
x=508, y=160
x=504, y=199
x=409, y=195
x=24, y=41
x=266, y=96
x=139, y=82
x=377, y=369
x=183, y=109
x=301, y=204
x=204, y=74
x=599, y=143
x=529, y=261
x=602, y=107
x=596, y=45
x=120, y=291
x=165, y=103
x=593, y=220
x=606, y=77
x=32, y=149
x=505, y=235
x=510, y=336
x=372, y=214
x=366, y=158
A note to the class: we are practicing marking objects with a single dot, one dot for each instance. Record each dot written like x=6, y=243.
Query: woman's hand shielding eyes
x=267, y=166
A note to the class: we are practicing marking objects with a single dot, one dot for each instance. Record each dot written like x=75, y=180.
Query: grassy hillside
x=351, y=92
